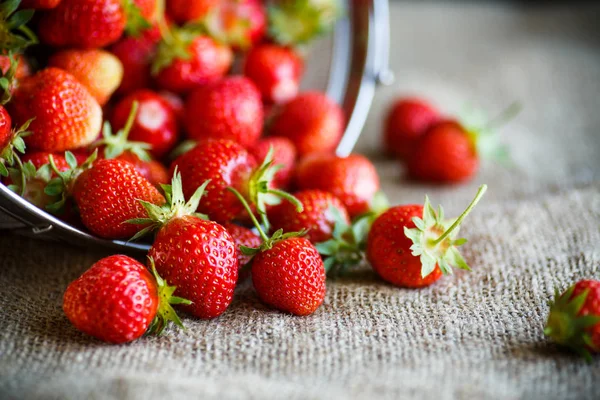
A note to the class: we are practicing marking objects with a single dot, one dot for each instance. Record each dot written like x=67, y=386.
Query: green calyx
x=297, y=22
x=567, y=328
x=62, y=186
x=116, y=144
x=175, y=207
x=174, y=45
x=7, y=79
x=14, y=33
x=9, y=158
x=434, y=238
x=166, y=300
x=27, y=173
x=136, y=23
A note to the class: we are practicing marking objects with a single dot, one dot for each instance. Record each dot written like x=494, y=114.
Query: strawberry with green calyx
x=12, y=143
x=574, y=319
x=62, y=185
x=136, y=20
x=297, y=22
x=14, y=32
x=239, y=23
x=8, y=79
x=413, y=245
x=287, y=271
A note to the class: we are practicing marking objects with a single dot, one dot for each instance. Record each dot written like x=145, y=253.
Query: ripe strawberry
x=239, y=23
x=98, y=70
x=66, y=115
x=182, y=11
x=5, y=128
x=227, y=109
x=118, y=300
x=413, y=245
x=39, y=4
x=175, y=103
x=284, y=155
x=11, y=143
x=312, y=121
x=155, y=122
x=242, y=237
x=198, y=256
x=275, y=70
x=351, y=179
x=574, y=319
x=186, y=60
x=316, y=218
x=407, y=120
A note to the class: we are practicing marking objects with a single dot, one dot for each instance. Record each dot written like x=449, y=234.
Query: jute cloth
x=473, y=335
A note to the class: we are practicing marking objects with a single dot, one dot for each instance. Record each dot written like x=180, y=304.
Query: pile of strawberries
x=130, y=127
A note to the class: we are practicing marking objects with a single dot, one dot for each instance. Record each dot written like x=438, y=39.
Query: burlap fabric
x=473, y=335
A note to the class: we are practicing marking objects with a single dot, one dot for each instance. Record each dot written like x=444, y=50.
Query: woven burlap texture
x=473, y=335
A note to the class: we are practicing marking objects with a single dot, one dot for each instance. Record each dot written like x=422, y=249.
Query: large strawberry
x=98, y=70
x=227, y=109
x=117, y=300
x=275, y=70
x=284, y=155
x=66, y=115
x=155, y=122
x=312, y=121
x=287, y=271
x=239, y=23
x=353, y=179
x=407, y=120
x=574, y=319
x=413, y=245
x=198, y=256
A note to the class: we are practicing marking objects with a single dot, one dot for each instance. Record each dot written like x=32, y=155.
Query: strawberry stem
x=237, y=194
x=292, y=199
x=165, y=32
x=506, y=115
x=478, y=196
x=130, y=119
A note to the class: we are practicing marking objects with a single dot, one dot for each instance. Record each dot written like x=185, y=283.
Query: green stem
x=130, y=119
x=505, y=116
x=23, y=179
x=250, y=213
x=165, y=32
x=288, y=197
x=459, y=220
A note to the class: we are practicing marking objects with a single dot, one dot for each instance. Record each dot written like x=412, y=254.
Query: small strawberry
x=183, y=11
x=40, y=4
x=155, y=122
x=284, y=155
x=198, y=256
x=312, y=121
x=412, y=245
x=98, y=70
x=106, y=193
x=275, y=70
x=407, y=120
x=11, y=143
x=317, y=218
x=239, y=23
x=186, y=60
x=242, y=237
x=6, y=134
x=66, y=115
x=227, y=109
x=287, y=271
x=118, y=300
x=351, y=179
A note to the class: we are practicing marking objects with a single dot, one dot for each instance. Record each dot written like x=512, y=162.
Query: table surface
x=474, y=334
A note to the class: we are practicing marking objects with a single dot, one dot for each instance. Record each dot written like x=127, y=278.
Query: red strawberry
x=574, y=319
x=227, y=109
x=284, y=155
x=155, y=172
x=351, y=179
x=287, y=271
x=155, y=122
x=413, y=245
x=183, y=11
x=186, y=60
x=66, y=115
x=407, y=120
x=175, y=102
x=39, y=4
x=316, y=218
x=275, y=70
x=5, y=128
x=11, y=143
x=312, y=121
x=198, y=256
x=242, y=237
x=98, y=70
x=118, y=300
x=239, y=23
x=22, y=70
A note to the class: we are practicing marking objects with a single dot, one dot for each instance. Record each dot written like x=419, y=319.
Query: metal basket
x=359, y=52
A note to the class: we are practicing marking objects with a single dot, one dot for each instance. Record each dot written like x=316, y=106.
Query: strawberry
x=98, y=70
x=316, y=218
x=351, y=179
x=413, y=245
x=11, y=143
x=287, y=271
x=242, y=237
x=284, y=155
x=574, y=319
x=117, y=300
x=22, y=70
x=312, y=121
x=66, y=115
x=40, y=4
x=275, y=70
x=5, y=128
x=407, y=120
x=227, y=109
x=183, y=11
x=155, y=122
x=198, y=256
x=175, y=103
x=186, y=60
x=239, y=23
